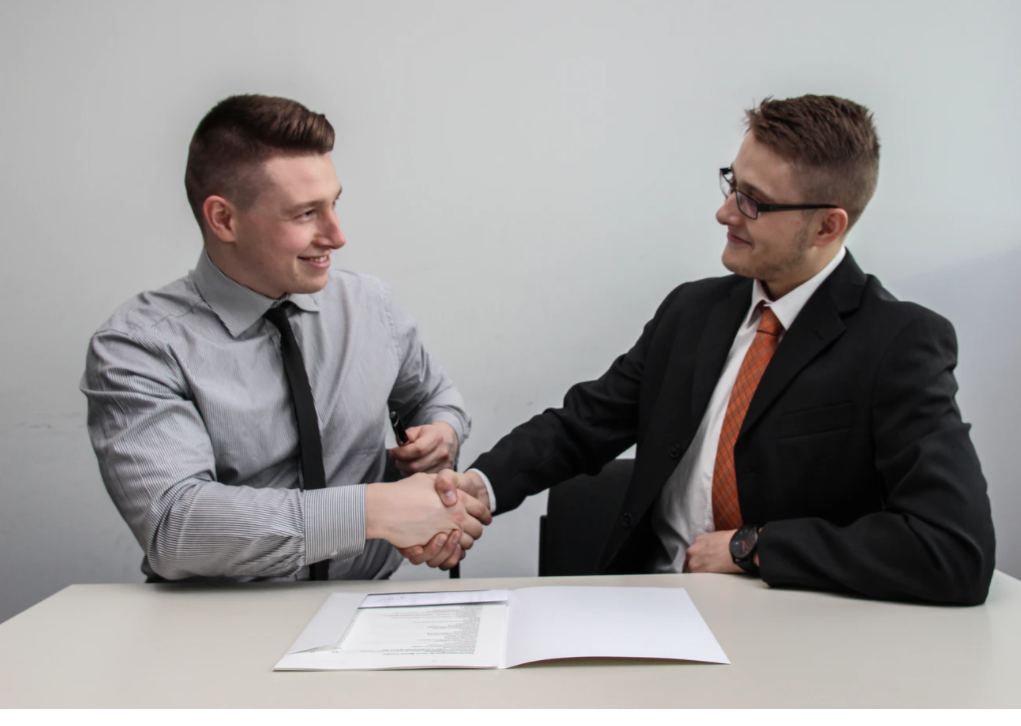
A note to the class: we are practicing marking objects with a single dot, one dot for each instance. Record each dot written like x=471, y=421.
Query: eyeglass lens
x=747, y=206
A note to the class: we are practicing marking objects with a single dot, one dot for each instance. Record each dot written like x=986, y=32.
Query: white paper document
x=406, y=599
x=501, y=628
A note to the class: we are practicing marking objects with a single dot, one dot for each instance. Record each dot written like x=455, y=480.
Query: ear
x=832, y=226
x=221, y=218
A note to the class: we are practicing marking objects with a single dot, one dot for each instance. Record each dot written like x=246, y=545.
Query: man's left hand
x=430, y=448
x=711, y=553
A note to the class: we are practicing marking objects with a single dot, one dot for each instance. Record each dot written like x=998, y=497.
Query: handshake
x=434, y=514
x=431, y=518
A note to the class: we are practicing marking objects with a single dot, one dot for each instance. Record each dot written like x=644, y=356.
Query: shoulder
x=701, y=294
x=154, y=314
x=887, y=314
x=708, y=289
x=140, y=335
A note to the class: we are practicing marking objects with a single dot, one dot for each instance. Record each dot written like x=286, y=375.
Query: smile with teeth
x=321, y=258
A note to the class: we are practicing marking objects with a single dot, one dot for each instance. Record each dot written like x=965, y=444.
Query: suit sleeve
x=598, y=421
x=933, y=540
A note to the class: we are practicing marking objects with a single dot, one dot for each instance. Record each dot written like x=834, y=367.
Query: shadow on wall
x=982, y=299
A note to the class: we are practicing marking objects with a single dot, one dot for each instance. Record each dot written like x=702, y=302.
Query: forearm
x=210, y=529
x=886, y=555
x=597, y=422
x=554, y=446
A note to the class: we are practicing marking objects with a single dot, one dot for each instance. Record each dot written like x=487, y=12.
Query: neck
x=221, y=256
x=777, y=288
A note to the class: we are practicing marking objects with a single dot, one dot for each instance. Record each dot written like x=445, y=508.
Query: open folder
x=501, y=628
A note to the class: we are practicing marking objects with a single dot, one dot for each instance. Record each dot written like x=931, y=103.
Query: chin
x=737, y=266
x=307, y=285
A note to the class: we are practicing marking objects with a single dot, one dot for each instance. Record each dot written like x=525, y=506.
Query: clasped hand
x=409, y=512
x=444, y=550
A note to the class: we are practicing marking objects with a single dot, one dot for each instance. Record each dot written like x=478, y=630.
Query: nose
x=331, y=231
x=728, y=214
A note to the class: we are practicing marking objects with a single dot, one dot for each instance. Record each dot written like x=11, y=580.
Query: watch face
x=740, y=548
x=742, y=544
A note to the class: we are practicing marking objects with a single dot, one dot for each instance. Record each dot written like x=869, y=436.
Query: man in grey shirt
x=190, y=411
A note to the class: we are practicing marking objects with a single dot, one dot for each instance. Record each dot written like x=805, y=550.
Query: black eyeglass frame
x=761, y=207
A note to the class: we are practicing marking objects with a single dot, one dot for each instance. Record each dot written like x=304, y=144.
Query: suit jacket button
x=675, y=451
x=627, y=520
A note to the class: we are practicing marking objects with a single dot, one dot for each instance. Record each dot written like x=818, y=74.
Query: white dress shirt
x=684, y=509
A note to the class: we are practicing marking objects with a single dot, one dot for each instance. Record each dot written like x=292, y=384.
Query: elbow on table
x=175, y=556
x=967, y=581
x=167, y=561
x=972, y=591
x=164, y=567
x=165, y=549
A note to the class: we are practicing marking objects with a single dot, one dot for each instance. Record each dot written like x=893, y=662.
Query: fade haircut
x=240, y=133
x=831, y=142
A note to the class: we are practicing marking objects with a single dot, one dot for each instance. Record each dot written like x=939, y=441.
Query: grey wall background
x=532, y=178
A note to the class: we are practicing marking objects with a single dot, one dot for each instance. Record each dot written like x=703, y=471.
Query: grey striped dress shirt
x=193, y=426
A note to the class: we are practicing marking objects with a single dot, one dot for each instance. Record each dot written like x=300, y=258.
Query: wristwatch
x=743, y=546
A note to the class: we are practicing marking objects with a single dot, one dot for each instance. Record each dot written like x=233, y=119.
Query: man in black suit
x=792, y=420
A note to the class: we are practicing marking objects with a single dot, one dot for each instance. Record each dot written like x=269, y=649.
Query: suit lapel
x=721, y=326
x=818, y=324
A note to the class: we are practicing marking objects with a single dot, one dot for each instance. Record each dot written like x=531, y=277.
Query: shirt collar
x=237, y=306
x=787, y=308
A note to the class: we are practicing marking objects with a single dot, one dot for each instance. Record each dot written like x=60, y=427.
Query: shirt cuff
x=334, y=523
x=489, y=490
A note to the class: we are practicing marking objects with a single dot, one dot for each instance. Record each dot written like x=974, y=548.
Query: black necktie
x=312, y=473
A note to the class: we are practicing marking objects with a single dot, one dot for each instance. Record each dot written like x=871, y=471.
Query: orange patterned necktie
x=726, y=508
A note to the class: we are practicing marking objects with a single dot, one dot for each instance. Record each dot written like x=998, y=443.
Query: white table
x=190, y=646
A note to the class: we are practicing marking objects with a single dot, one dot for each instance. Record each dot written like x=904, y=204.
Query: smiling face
x=281, y=243
x=781, y=249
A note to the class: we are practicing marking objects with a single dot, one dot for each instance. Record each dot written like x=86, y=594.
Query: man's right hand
x=408, y=512
x=441, y=551
x=449, y=482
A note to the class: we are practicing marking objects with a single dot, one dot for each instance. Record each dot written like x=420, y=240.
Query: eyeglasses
x=752, y=208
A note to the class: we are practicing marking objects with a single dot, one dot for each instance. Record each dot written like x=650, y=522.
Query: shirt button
x=675, y=451
x=627, y=520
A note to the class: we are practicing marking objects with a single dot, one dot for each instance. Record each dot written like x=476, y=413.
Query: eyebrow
x=314, y=203
x=751, y=188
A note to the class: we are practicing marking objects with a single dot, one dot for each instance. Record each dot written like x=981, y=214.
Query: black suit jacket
x=852, y=456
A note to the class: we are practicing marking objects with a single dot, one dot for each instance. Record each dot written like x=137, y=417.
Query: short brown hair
x=241, y=132
x=831, y=142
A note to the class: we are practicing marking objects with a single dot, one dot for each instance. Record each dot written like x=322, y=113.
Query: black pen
x=399, y=432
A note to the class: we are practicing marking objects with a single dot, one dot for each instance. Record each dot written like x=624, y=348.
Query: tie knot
x=769, y=323
x=278, y=315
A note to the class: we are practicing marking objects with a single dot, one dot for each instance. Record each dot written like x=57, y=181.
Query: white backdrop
x=532, y=178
